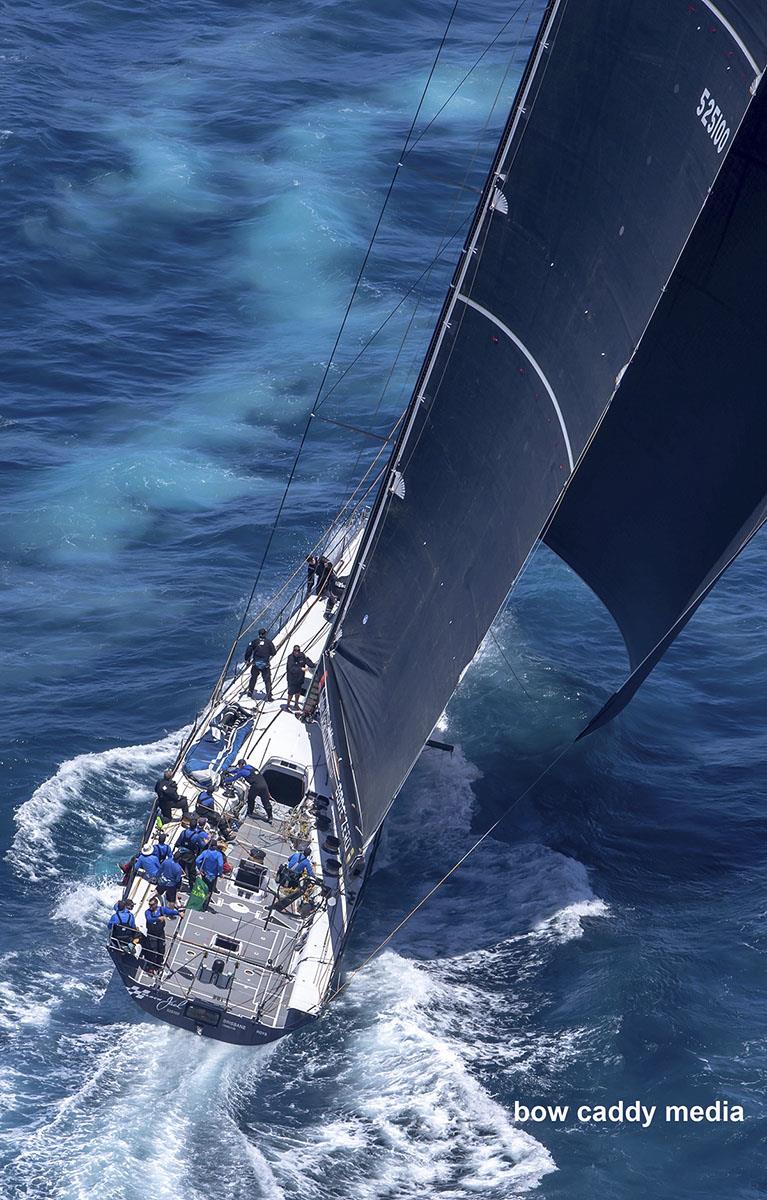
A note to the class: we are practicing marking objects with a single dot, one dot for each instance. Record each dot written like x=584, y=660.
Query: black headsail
x=676, y=481
x=621, y=125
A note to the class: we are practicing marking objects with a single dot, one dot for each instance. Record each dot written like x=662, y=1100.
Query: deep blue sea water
x=187, y=192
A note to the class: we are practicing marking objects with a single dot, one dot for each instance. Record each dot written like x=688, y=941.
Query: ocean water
x=188, y=191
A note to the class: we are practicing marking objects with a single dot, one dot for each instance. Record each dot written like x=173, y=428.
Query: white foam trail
x=416, y=1114
x=93, y=787
x=146, y=1117
x=88, y=905
x=408, y=1042
x=16, y=1009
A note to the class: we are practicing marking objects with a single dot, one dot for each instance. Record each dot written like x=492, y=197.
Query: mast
x=391, y=480
x=619, y=131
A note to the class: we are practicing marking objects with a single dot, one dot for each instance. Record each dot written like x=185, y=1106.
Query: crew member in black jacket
x=295, y=667
x=258, y=653
x=168, y=797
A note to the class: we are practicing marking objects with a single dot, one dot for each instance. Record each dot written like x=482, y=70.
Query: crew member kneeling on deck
x=168, y=797
x=294, y=877
x=299, y=862
x=206, y=807
x=291, y=874
x=154, y=952
x=122, y=925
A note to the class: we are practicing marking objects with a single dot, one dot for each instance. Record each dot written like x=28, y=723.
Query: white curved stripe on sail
x=520, y=345
x=735, y=36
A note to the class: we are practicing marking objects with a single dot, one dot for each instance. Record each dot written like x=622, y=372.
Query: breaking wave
x=399, y=1074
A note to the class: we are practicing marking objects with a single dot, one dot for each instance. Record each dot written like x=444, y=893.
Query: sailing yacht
x=592, y=382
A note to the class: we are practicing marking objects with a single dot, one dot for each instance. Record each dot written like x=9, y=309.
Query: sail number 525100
x=712, y=120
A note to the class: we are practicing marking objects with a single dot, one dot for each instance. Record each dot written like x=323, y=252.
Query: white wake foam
x=390, y=1096
x=87, y=905
x=91, y=787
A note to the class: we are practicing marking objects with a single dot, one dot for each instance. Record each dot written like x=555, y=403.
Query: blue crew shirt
x=162, y=851
x=149, y=864
x=170, y=874
x=210, y=863
x=162, y=910
x=300, y=863
x=239, y=773
x=199, y=840
x=185, y=840
x=125, y=918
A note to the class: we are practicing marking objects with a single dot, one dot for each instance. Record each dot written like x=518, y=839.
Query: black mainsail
x=579, y=283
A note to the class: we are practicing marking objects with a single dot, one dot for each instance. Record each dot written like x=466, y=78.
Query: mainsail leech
x=605, y=172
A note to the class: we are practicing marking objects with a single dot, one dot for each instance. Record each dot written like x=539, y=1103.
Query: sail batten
x=606, y=163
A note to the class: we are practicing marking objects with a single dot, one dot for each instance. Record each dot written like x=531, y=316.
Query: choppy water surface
x=188, y=192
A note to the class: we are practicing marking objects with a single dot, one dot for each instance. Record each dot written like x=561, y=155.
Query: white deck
x=279, y=960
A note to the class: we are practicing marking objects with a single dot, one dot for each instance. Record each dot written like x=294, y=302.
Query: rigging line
x=477, y=233
x=458, y=87
x=445, y=239
x=386, y=199
x=243, y=629
x=342, y=326
x=261, y=615
x=483, y=837
x=352, y=428
x=463, y=186
x=406, y=296
x=501, y=651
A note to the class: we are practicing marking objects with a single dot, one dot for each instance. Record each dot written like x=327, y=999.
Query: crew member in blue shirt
x=206, y=807
x=187, y=850
x=210, y=864
x=298, y=863
x=156, y=915
x=201, y=837
x=122, y=924
x=148, y=862
x=168, y=879
x=162, y=850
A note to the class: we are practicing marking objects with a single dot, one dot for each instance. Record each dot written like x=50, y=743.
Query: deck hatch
x=225, y=943
x=250, y=877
